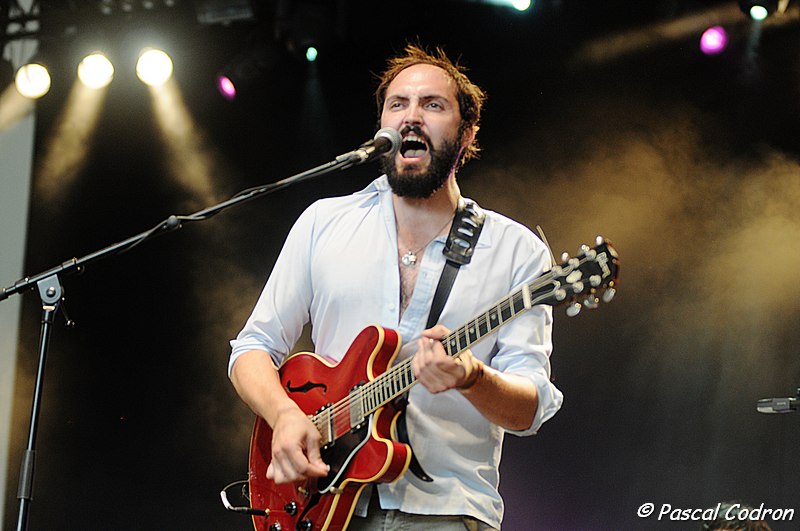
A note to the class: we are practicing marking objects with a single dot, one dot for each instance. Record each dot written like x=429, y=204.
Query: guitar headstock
x=584, y=280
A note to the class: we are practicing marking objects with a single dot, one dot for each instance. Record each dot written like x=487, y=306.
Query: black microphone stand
x=51, y=294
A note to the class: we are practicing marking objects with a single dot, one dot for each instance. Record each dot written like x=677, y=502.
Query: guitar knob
x=573, y=309
x=275, y=527
x=608, y=294
x=290, y=508
x=305, y=525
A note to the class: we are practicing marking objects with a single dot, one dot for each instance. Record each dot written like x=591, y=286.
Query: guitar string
x=375, y=387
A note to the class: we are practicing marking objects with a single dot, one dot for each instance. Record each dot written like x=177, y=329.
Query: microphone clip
x=779, y=405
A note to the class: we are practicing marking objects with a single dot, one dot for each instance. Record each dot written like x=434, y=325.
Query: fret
x=494, y=318
x=505, y=311
x=483, y=325
x=472, y=333
x=452, y=345
x=518, y=303
x=463, y=342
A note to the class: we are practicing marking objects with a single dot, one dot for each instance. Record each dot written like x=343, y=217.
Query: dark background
x=603, y=117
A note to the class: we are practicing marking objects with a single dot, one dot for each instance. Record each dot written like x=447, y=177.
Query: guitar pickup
x=357, y=409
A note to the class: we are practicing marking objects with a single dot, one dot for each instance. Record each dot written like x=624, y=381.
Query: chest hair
x=408, y=279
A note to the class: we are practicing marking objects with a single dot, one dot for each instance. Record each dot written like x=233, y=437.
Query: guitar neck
x=400, y=378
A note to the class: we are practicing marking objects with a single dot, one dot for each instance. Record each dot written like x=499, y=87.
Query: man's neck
x=424, y=215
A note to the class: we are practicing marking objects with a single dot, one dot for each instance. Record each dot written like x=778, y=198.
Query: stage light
x=226, y=87
x=758, y=12
x=311, y=54
x=714, y=40
x=154, y=67
x=95, y=71
x=758, y=9
x=32, y=80
x=521, y=5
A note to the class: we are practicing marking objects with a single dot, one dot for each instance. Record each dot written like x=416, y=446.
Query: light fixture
x=33, y=79
x=714, y=40
x=758, y=9
x=95, y=71
x=154, y=67
x=311, y=54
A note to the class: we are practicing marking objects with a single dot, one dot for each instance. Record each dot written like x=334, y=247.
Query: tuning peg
x=573, y=309
x=608, y=294
x=599, y=240
x=595, y=280
x=564, y=256
x=577, y=287
x=591, y=303
x=574, y=276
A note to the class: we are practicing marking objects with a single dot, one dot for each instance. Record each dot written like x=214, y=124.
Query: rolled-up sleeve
x=525, y=345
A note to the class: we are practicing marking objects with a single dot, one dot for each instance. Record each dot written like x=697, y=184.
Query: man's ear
x=468, y=137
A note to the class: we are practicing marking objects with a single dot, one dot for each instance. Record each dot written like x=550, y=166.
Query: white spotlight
x=32, y=80
x=95, y=71
x=154, y=67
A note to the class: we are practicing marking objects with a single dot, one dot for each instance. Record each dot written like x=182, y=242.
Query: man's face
x=421, y=104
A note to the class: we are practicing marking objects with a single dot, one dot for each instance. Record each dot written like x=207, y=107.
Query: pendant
x=408, y=259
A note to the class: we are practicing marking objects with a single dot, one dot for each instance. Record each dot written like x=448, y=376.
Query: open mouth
x=413, y=147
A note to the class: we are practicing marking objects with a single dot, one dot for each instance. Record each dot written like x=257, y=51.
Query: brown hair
x=470, y=96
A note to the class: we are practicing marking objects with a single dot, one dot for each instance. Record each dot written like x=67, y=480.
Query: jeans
x=378, y=519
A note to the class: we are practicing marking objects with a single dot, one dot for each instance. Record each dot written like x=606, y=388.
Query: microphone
x=777, y=405
x=387, y=140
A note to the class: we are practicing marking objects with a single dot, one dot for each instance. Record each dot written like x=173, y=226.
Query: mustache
x=418, y=131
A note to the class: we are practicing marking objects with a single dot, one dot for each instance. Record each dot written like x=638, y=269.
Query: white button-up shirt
x=339, y=268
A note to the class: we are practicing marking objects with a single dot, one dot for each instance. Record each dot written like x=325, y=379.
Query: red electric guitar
x=351, y=403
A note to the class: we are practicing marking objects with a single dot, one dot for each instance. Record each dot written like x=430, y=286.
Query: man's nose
x=413, y=115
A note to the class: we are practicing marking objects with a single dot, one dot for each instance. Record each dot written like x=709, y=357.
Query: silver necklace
x=410, y=258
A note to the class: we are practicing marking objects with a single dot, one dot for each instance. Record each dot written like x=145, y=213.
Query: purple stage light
x=226, y=88
x=714, y=40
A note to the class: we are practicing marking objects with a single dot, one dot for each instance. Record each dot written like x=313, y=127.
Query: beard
x=421, y=185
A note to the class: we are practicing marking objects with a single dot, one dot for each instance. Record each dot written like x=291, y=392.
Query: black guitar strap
x=460, y=245
x=458, y=250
